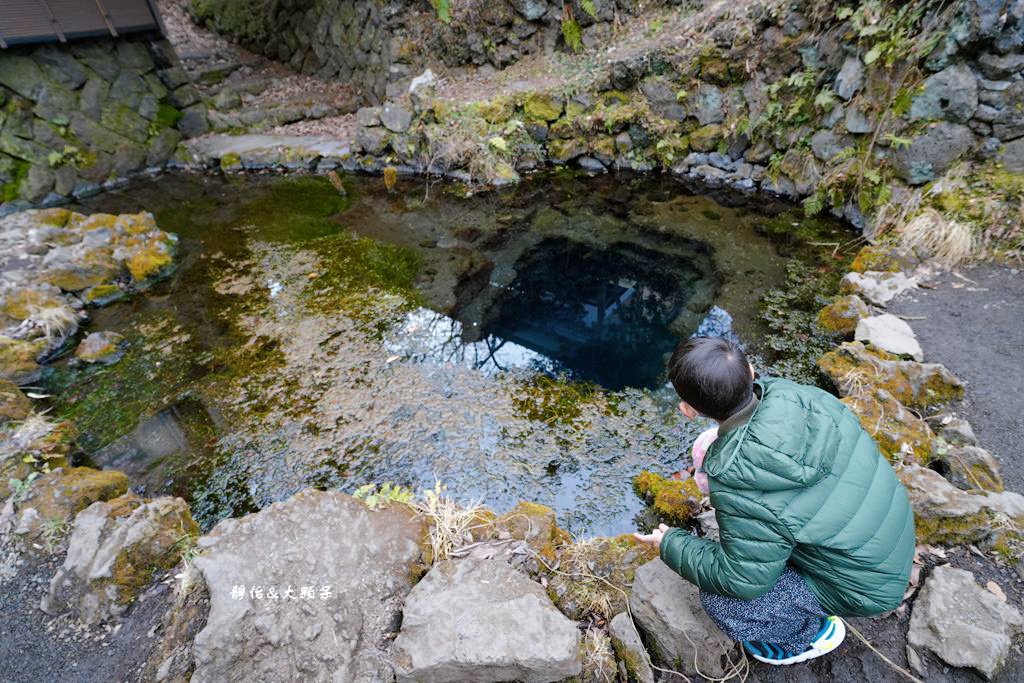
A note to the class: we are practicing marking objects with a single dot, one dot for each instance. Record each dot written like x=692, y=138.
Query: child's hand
x=654, y=538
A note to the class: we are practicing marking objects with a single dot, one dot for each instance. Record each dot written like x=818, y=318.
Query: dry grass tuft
x=950, y=242
x=598, y=658
x=56, y=322
x=451, y=523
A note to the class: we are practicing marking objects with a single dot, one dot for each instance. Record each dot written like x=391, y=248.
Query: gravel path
x=972, y=321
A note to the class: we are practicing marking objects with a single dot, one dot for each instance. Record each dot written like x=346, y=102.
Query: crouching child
x=814, y=525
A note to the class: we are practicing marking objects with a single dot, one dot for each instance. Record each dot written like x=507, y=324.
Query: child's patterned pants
x=788, y=615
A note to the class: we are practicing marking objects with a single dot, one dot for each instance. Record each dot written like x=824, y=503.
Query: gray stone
x=372, y=140
x=37, y=183
x=857, y=121
x=110, y=553
x=174, y=78
x=60, y=66
x=22, y=75
x=193, y=121
x=889, y=333
x=65, y=179
x=55, y=103
x=973, y=468
x=1013, y=156
x=877, y=287
x=962, y=623
x=825, y=144
x=850, y=78
x=530, y=9
x=395, y=117
x=957, y=431
x=227, y=99
x=951, y=94
x=134, y=55
x=185, y=96
x=93, y=97
x=128, y=89
x=932, y=152
x=591, y=165
x=483, y=620
x=368, y=116
x=421, y=91
x=667, y=607
x=358, y=564
x=629, y=648
x=706, y=104
x=955, y=516
x=662, y=99
x=98, y=56
x=998, y=67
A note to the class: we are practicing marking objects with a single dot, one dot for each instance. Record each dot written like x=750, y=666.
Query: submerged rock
x=918, y=385
x=890, y=334
x=115, y=548
x=102, y=348
x=482, y=620
x=305, y=589
x=962, y=623
x=667, y=607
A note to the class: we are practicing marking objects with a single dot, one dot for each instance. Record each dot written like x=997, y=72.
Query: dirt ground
x=972, y=321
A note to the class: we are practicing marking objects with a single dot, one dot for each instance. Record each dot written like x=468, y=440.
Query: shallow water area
x=509, y=344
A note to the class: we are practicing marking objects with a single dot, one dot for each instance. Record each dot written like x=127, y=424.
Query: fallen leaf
x=993, y=588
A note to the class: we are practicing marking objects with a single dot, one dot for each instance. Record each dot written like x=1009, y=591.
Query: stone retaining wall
x=375, y=44
x=76, y=116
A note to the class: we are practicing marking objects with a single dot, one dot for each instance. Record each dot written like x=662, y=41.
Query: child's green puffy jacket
x=801, y=481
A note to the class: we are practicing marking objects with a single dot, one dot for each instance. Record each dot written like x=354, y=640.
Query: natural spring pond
x=511, y=344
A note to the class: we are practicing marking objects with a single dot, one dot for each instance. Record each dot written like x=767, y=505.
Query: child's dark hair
x=712, y=375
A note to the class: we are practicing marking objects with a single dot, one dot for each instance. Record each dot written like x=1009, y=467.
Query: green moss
x=554, y=401
x=951, y=530
x=674, y=501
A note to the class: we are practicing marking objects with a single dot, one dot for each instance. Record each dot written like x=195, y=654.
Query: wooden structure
x=38, y=21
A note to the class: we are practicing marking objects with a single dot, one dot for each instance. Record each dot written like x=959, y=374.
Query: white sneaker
x=832, y=633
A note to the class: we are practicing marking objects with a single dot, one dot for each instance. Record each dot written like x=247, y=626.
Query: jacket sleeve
x=746, y=563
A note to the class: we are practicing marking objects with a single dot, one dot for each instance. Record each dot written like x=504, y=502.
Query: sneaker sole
x=816, y=650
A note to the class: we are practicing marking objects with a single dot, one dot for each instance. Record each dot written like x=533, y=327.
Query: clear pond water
x=510, y=344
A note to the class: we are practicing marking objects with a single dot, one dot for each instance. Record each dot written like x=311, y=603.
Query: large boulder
x=483, y=620
x=115, y=548
x=305, y=589
x=932, y=152
x=962, y=623
x=852, y=366
x=943, y=514
x=951, y=94
x=970, y=467
x=667, y=607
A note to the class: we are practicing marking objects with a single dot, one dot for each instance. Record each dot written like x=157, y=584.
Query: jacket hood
x=787, y=443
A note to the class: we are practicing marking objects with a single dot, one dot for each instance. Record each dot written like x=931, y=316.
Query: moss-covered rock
x=543, y=107
x=115, y=549
x=883, y=257
x=972, y=468
x=842, y=315
x=706, y=138
x=595, y=575
x=900, y=434
x=56, y=497
x=102, y=295
x=674, y=501
x=14, y=405
x=943, y=514
x=498, y=110
x=22, y=303
x=150, y=260
x=18, y=360
x=102, y=348
x=562, y=151
x=852, y=367
x=535, y=524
